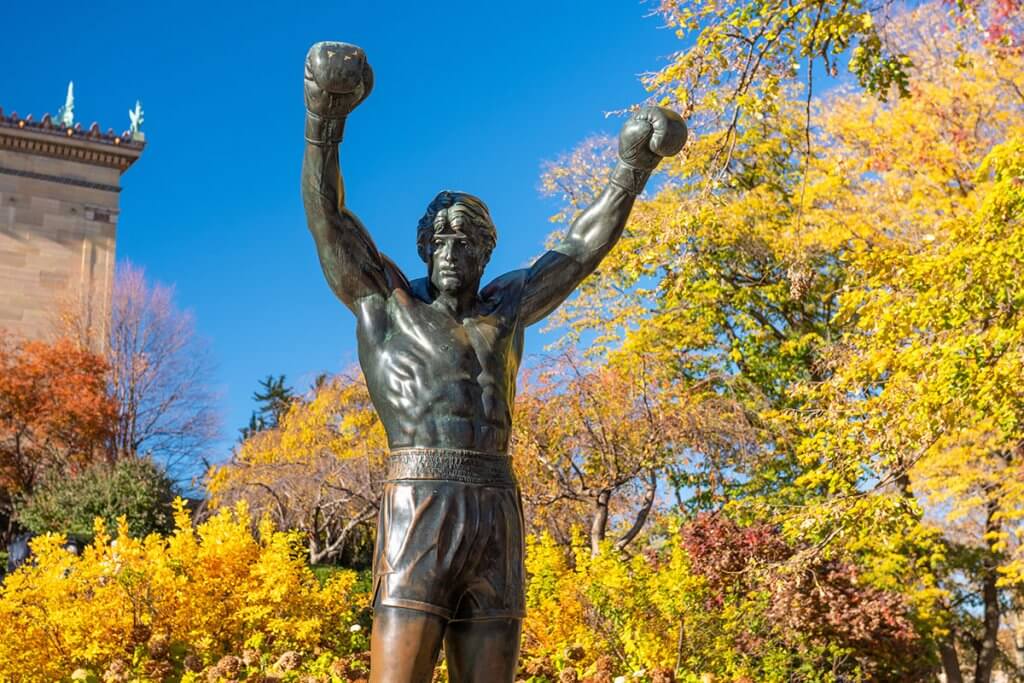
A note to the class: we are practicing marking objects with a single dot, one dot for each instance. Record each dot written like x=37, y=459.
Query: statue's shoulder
x=507, y=289
x=396, y=279
x=419, y=289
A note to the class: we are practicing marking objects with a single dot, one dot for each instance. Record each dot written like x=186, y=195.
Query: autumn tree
x=714, y=600
x=927, y=389
x=845, y=269
x=159, y=373
x=817, y=608
x=741, y=59
x=592, y=442
x=55, y=414
x=319, y=470
x=920, y=403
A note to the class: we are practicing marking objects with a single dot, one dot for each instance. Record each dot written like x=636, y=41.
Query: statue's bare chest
x=422, y=360
x=442, y=342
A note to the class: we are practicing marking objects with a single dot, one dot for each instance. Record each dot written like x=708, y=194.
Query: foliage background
x=779, y=441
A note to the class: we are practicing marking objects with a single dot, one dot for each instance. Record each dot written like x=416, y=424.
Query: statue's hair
x=460, y=211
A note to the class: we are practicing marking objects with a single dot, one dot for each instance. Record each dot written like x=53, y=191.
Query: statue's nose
x=445, y=251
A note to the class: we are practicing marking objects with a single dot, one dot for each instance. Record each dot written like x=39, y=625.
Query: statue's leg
x=484, y=651
x=404, y=645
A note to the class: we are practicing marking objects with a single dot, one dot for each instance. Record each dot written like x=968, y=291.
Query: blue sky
x=471, y=96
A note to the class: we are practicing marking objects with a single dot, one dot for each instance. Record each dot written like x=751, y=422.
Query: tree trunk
x=950, y=660
x=318, y=556
x=680, y=646
x=8, y=533
x=642, y=513
x=314, y=548
x=334, y=545
x=600, y=521
x=989, y=646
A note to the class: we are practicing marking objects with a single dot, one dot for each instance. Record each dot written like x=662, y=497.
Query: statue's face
x=456, y=262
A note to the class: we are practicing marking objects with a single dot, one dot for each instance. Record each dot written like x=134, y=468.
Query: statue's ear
x=485, y=257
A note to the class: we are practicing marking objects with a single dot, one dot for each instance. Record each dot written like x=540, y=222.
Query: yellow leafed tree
x=318, y=471
x=854, y=286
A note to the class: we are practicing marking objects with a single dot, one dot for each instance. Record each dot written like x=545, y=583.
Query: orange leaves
x=54, y=409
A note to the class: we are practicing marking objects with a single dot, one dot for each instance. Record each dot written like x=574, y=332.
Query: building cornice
x=63, y=180
x=74, y=143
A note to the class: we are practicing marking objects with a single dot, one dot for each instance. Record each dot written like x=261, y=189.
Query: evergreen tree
x=273, y=398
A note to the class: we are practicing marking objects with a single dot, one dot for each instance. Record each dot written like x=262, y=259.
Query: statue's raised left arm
x=647, y=137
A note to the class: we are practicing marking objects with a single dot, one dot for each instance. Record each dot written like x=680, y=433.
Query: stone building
x=59, y=204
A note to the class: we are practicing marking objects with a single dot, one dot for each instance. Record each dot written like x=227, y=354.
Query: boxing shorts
x=450, y=536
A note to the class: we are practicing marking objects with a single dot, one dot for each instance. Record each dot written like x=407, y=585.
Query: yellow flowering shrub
x=581, y=612
x=229, y=600
x=217, y=599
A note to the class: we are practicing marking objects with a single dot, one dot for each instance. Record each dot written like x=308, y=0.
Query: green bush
x=323, y=573
x=136, y=488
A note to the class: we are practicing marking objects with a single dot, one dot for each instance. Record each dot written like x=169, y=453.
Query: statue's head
x=455, y=238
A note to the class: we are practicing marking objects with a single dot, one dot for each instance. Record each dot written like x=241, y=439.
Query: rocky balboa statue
x=440, y=356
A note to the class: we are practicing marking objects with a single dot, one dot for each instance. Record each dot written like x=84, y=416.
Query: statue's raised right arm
x=337, y=79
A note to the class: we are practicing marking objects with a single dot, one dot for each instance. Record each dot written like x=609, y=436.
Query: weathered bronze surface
x=440, y=356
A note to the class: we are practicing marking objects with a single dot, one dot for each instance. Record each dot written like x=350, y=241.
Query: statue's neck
x=456, y=305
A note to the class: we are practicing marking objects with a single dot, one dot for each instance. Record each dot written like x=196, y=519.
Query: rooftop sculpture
x=66, y=114
x=64, y=124
x=136, y=119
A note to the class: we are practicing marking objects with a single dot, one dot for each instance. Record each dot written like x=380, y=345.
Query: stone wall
x=59, y=204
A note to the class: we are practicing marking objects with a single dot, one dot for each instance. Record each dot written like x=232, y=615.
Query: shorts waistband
x=451, y=464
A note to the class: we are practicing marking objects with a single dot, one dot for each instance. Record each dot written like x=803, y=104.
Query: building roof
x=49, y=137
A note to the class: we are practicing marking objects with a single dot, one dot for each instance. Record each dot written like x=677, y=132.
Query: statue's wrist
x=321, y=130
x=630, y=178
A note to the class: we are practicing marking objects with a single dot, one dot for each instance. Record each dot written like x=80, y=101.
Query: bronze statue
x=440, y=356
